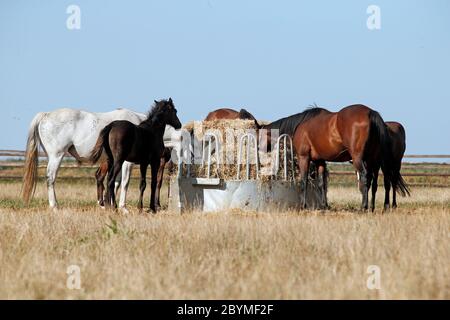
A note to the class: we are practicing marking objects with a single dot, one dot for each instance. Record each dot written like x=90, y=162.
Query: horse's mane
x=289, y=124
x=157, y=107
x=245, y=115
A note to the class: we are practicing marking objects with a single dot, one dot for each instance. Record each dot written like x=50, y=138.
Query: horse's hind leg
x=361, y=167
x=374, y=188
x=116, y=170
x=387, y=190
x=100, y=176
x=394, y=197
x=108, y=179
x=54, y=161
x=397, y=170
x=142, y=185
x=126, y=172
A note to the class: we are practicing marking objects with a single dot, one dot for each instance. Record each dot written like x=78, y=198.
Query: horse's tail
x=387, y=157
x=402, y=186
x=31, y=159
x=101, y=144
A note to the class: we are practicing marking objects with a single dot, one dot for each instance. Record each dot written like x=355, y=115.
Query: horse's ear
x=170, y=100
x=155, y=101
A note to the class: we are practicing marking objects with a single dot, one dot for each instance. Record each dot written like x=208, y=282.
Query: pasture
x=225, y=255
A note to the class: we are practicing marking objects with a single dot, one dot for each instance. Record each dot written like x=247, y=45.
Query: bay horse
x=66, y=131
x=230, y=114
x=354, y=133
x=140, y=144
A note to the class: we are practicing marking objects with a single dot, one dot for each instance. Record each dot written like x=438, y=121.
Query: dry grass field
x=231, y=255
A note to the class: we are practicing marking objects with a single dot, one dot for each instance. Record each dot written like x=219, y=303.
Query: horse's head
x=167, y=113
x=245, y=115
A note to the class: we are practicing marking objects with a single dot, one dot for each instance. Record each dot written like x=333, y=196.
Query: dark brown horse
x=397, y=138
x=102, y=172
x=398, y=143
x=142, y=144
x=355, y=133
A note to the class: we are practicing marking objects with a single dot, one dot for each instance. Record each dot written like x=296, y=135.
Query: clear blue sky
x=273, y=57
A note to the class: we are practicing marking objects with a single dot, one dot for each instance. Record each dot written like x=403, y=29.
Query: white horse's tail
x=31, y=159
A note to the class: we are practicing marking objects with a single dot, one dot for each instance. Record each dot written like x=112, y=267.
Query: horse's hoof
x=124, y=210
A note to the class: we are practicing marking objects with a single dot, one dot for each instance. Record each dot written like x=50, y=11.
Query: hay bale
x=224, y=162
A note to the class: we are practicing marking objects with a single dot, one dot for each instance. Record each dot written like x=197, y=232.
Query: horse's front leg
x=154, y=167
x=159, y=181
x=142, y=185
x=54, y=161
x=303, y=163
x=322, y=176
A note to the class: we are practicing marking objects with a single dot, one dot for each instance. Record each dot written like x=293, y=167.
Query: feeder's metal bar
x=210, y=135
x=186, y=155
x=188, y=164
x=292, y=161
x=285, y=138
x=247, y=165
x=206, y=181
x=203, y=150
x=209, y=159
x=239, y=159
x=249, y=137
x=256, y=157
x=180, y=166
x=285, y=158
